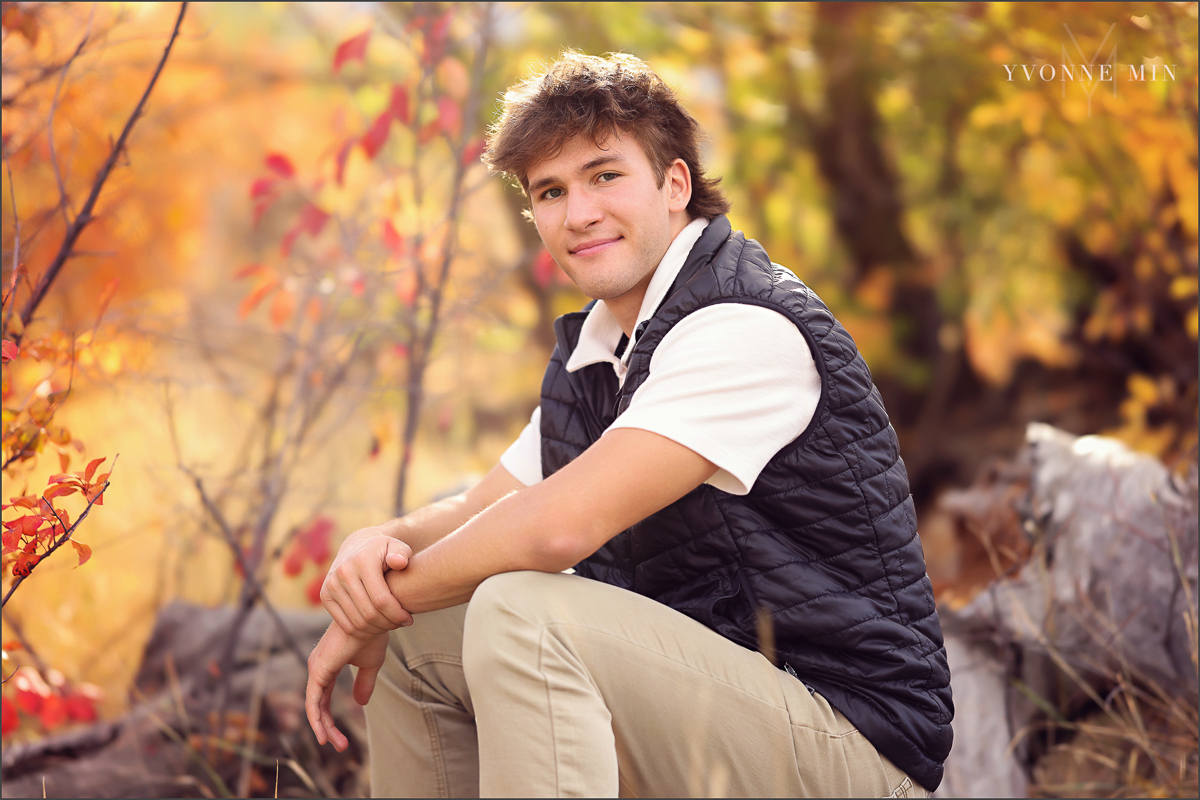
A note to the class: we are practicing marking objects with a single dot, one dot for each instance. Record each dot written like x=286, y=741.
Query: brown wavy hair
x=599, y=97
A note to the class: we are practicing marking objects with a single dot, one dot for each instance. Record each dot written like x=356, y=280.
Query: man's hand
x=355, y=592
x=335, y=650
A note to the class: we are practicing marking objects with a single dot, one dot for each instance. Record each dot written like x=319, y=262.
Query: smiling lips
x=595, y=246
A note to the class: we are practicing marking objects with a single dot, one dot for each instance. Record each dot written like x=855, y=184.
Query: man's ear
x=679, y=181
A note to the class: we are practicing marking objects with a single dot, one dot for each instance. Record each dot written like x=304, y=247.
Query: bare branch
x=62, y=76
x=256, y=590
x=85, y=213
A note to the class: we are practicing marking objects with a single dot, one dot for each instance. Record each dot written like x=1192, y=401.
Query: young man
x=749, y=613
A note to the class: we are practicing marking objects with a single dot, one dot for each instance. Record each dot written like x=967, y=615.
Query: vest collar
x=600, y=334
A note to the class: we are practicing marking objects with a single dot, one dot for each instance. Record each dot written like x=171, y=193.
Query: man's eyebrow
x=598, y=161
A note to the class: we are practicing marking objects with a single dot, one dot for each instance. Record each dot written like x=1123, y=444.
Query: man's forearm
x=421, y=528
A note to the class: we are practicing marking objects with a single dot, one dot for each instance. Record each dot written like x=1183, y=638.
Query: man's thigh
x=689, y=712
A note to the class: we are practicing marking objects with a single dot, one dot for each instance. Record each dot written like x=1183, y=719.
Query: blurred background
x=297, y=304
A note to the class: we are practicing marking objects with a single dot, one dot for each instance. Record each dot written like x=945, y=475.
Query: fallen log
x=1096, y=616
x=172, y=743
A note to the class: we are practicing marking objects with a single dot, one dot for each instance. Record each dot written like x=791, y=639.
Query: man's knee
x=503, y=618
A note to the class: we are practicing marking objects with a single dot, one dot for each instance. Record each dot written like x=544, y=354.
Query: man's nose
x=582, y=210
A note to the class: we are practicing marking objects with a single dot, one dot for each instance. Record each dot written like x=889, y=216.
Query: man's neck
x=626, y=307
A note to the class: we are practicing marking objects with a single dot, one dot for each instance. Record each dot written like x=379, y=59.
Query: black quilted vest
x=825, y=542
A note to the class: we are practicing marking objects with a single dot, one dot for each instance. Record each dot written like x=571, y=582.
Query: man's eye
x=607, y=176
x=551, y=194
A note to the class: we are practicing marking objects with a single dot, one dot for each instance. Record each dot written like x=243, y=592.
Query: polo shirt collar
x=600, y=334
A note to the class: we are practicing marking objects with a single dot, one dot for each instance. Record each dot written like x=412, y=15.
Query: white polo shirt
x=732, y=382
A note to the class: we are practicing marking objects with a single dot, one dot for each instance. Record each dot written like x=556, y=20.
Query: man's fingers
x=388, y=613
x=364, y=684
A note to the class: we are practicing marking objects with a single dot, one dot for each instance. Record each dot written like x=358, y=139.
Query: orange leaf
x=282, y=306
x=91, y=467
x=375, y=137
x=24, y=526
x=61, y=490
x=84, y=551
x=101, y=479
x=64, y=460
x=406, y=287
x=427, y=132
x=106, y=296
x=25, y=563
x=353, y=49
x=392, y=239
x=280, y=165
x=251, y=301
x=248, y=270
x=60, y=477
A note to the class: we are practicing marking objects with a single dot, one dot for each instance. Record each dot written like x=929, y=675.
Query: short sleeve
x=732, y=382
x=523, y=458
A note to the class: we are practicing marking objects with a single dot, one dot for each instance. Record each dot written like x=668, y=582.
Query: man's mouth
x=594, y=246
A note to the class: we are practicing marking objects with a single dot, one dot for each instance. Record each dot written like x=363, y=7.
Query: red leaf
x=315, y=540
x=313, y=590
x=247, y=271
x=13, y=645
x=392, y=239
x=11, y=720
x=280, y=165
x=251, y=301
x=263, y=187
x=54, y=712
x=313, y=219
x=84, y=551
x=28, y=701
x=398, y=107
x=375, y=137
x=543, y=268
x=472, y=152
x=449, y=116
x=80, y=708
x=294, y=563
x=342, y=157
x=9, y=350
x=353, y=49
x=91, y=467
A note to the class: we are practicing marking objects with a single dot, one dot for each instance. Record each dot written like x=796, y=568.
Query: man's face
x=603, y=216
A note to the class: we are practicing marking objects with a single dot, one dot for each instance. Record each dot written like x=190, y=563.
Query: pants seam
x=435, y=742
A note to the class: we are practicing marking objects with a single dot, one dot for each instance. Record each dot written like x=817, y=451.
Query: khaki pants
x=550, y=685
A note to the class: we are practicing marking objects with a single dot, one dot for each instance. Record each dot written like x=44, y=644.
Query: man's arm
x=355, y=593
x=621, y=479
